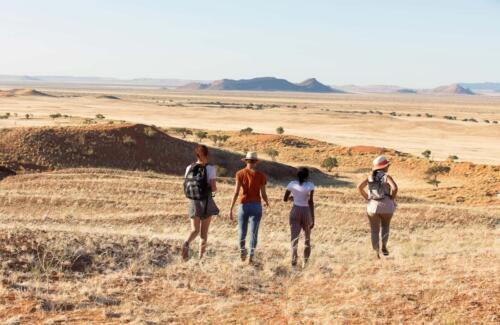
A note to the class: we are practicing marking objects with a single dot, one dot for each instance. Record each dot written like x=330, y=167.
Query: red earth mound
x=124, y=146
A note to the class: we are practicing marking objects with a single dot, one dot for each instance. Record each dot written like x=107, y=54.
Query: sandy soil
x=342, y=119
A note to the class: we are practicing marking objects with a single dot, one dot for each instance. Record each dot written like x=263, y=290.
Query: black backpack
x=196, y=183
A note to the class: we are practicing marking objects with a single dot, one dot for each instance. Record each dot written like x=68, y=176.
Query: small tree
x=280, y=130
x=56, y=115
x=223, y=138
x=246, y=131
x=433, y=172
x=100, y=117
x=214, y=138
x=183, y=132
x=201, y=135
x=330, y=163
x=273, y=153
x=452, y=157
x=427, y=154
x=27, y=116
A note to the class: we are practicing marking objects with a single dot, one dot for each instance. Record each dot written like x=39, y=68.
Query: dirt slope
x=124, y=146
x=22, y=92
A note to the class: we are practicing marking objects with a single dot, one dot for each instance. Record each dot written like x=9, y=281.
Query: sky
x=412, y=43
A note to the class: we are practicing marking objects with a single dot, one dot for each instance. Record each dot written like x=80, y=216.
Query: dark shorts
x=199, y=209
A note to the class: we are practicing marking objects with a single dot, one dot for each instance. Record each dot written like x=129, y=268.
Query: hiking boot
x=251, y=260
x=185, y=251
x=385, y=251
x=243, y=256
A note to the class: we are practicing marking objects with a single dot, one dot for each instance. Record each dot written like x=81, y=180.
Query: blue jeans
x=249, y=212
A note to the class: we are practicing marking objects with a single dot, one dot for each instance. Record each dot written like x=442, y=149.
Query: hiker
x=301, y=192
x=252, y=185
x=382, y=191
x=199, y=186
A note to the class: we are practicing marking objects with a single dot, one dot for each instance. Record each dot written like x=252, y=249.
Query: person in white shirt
x=301, y=192
x=201, y=211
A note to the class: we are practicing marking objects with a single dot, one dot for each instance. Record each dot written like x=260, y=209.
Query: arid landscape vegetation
x=92, y=224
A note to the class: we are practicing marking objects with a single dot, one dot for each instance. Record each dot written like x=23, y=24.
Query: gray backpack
x=377, y=186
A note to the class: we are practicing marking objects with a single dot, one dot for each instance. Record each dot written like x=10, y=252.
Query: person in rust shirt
x=251, y=190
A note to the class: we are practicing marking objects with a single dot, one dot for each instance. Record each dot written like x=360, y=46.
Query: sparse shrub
x=223, y=139
x=486, y=121
x=426, y=153
x=214, y=138
x=128, y=140
x=5, y=116
x=89, y=121
x=56, y=115
x=183, y=132
x=448, y=117
x=494, y=122
x=330, y=163
x=392, y=113
x=201, y=135
x=100, y=117
x=273, y=153
x=433, y=172
x=473, y=120
x=419, y=115
x=150, y=132
x=246, y=131
x=280, y=130
x=27, y=116
x=452, y=157
x=428, y=115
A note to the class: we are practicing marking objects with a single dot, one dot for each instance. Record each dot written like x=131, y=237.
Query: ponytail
x=302, y=174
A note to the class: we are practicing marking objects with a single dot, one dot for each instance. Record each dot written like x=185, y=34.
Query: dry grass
x=102, y=246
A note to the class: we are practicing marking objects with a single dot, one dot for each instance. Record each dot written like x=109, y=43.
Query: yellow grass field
x=102, y=246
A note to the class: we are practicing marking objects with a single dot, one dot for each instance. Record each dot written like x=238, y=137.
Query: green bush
x=201, y=135
x=100, y=117
x=246, y=131
x=273, y=153
x=329, y=163
x=426, y=153
x=280, y=130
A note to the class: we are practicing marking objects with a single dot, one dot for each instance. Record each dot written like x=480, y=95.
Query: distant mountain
x=406, y=91
x=379, y=89
x=482, y=86
x=144, y=82
x=453, y=89
x=264, y=84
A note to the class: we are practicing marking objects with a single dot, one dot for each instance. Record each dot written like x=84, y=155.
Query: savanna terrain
x=90, y=238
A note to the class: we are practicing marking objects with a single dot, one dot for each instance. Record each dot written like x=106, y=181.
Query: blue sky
x=419, y=43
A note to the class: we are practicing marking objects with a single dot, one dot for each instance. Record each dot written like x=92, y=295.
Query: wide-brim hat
x=251, y=155
x=380, y=163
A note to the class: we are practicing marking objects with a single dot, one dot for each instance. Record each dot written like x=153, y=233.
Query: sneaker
x=243, y=256
x=385, y=251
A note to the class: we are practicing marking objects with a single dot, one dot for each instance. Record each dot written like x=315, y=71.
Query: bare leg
x=195, y=230
x=205, y=224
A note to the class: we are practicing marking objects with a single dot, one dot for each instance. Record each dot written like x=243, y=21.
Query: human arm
x=394, y=187
x=311, y=207
x=361, y=189
x=263, y=193
x=235, y=197
x=287, y=196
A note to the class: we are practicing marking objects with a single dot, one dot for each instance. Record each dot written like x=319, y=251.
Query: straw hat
x=380, y=163
x=251, y=155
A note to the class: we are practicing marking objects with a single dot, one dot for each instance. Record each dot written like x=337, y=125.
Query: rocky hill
x=22, y=92
x=125, y=146
x=264, y=84
x=453, y=89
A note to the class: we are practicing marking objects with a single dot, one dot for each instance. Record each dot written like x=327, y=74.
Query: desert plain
x=86, y=238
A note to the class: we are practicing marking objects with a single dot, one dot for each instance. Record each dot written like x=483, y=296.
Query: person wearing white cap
x=252, y=185
x=382, y=191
